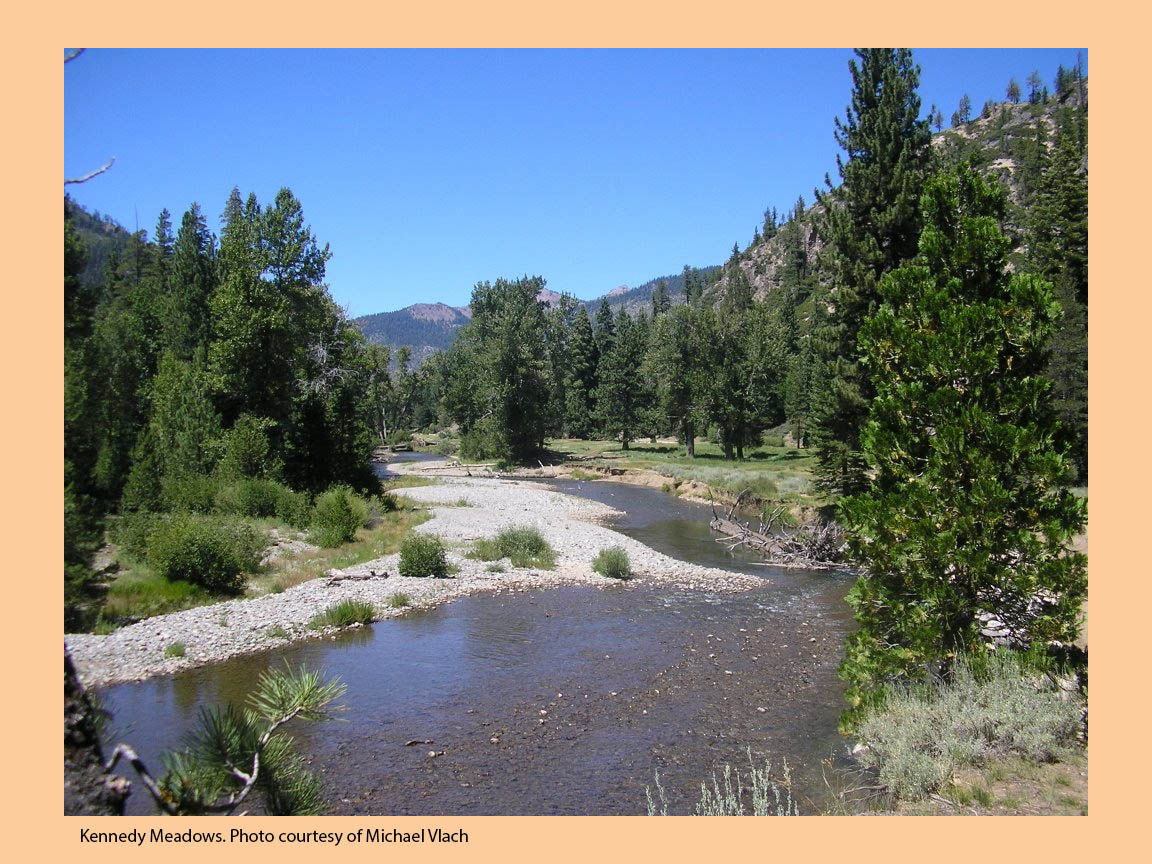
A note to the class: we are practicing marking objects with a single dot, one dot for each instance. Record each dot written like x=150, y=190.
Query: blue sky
x=428, y=171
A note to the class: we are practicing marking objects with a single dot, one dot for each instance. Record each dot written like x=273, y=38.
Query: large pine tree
x=579, y=395
x=870, y=227
x=965, y=516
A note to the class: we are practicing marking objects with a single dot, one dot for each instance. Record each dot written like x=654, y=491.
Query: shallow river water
x=555, y=702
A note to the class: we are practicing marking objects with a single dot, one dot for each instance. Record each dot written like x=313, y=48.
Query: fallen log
x=819, y=546
x=335, y=577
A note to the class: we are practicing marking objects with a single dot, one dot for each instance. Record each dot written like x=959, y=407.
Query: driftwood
x=818, y=546
x=335, y=578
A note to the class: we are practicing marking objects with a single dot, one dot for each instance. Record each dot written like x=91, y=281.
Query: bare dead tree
x=68, y=58
x=111, y=161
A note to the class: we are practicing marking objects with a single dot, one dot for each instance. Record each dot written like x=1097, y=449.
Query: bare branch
x=146, y=778
x=73, y=54
x=111, y=161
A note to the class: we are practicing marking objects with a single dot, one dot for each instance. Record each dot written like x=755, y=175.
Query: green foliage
x=184, y=421
x=581, y=379
x=422, y=555
x=613, y=563
x=399, y=600
x=965, y=515
x=247, y=448
x=871, y=226
x=191, y=493
x=251, y=496
x=495, y=379
x=338, y=513
x=293, y=508
x=524, y=545
x=344, y=614
x=204, y=551
x=176, y=649
x=131, y=532
x=921, y=734
x=234, y=751
x=620, y=400
x=139, y=593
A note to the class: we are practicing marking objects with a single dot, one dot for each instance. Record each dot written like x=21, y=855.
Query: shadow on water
x=564, y=701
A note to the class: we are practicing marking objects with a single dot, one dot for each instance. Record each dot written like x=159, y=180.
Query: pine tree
x=676, y=349
x=1034, y=85
x=1059, y=252
x=619, y=398
x=871, y=224
x=496, y=375
x=965, y=515
x=963, y=112
x=189, y=290
x=661, y=300
x=583, y=358
x=1013, y=91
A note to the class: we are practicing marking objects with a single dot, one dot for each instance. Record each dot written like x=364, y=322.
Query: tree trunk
x=690, y=438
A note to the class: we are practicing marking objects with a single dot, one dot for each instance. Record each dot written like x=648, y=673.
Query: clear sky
x=428, y=171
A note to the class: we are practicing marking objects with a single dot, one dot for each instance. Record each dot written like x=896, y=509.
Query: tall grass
x=344, y=614
x=523, y=545
x=613, y=563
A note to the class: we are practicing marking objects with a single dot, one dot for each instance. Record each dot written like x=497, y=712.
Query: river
x=554, y=702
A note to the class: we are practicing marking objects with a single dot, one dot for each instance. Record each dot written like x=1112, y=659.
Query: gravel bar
x=573, y=526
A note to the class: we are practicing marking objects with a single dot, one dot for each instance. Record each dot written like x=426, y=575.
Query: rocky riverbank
x=464, y=509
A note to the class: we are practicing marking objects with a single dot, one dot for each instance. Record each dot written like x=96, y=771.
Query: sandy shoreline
x=572, y=525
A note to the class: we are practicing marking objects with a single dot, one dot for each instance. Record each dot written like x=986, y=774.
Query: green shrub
x=398, y=438
x=338, y=513
x=247, y=450
x=277, y=631
x=203, y=551
x=130, y=532
x=920, y=735
x=378, y=505
x=191, y=493
x=524, y=545
x=344, y=614
x=481, y=442
x=422, y=555
x=399, y=600
x=613, y=563
x=251, y=496
x=293, y=508
x=176, y=649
